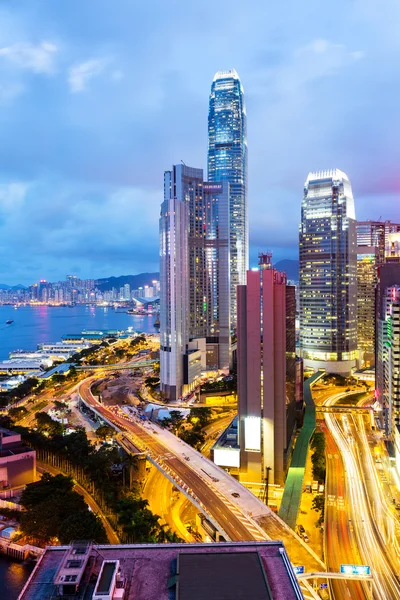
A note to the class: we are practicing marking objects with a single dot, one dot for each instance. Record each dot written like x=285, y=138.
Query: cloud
x=317, y=59
x=80, y=74
x=38, y=59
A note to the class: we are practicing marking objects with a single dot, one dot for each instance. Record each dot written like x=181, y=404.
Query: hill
x=290, y=267
x=135, y=281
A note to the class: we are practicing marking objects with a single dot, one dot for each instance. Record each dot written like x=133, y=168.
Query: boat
x=9, y=322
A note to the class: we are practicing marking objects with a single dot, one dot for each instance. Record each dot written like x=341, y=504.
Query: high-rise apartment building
x=205, y=240
x=328, y=273
x=388, y=344
x=265, y=355
x=227, y=162
x=367, y=279
x=174, y=294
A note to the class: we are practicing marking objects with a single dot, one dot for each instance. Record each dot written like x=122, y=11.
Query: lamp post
x=267, y=470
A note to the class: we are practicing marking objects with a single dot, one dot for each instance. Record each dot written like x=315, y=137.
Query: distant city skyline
x=83, y=144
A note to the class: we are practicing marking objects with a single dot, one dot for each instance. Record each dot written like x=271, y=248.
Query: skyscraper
x=227, y=161
x=174, y=294
x=376, y=234
x=266, y=371
x=387, y=343
x=367, y=278
x=194, y=243
x=328, y=279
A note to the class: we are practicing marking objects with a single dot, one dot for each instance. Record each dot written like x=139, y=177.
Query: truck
x=314, y=487
x=308, y=486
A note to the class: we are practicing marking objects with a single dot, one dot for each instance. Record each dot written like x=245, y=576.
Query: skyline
x=84, y=147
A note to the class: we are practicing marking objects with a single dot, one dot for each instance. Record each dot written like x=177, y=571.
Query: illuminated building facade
x=174, y=294
x=375, y=234
x=367, y=279
x=388, y=344
x=265, y=410
x=227, y=162
x=194, y=278
x=328, y=273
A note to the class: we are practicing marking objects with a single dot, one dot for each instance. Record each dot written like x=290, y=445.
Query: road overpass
x=117, y=367
x=238, y=517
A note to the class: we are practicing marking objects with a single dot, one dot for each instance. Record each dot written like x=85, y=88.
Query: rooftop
x=228, y=74
x=234, y=571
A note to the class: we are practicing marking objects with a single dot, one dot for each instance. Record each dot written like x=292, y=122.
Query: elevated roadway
x=238, y=517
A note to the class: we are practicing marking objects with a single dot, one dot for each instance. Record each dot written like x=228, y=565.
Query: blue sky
x=99, y=97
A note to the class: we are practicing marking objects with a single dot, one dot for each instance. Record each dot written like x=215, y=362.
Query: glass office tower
x=227, y=161
x=328, y=273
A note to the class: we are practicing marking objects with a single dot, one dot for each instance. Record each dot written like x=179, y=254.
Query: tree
x=201, y=415
x=36, y=492
x=318, y=504
x=17, y=412
x=194, y=437
x=83, y=525
x=104, y=431
x=46, y=424
x=60, y=406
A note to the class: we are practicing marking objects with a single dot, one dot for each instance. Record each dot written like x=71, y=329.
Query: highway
x=231, y=515
x=236, y=528
x=366, y=536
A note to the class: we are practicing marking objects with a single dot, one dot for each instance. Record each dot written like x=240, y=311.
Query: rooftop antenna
x=183, y=163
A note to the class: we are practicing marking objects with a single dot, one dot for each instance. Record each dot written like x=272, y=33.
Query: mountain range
x=291, y=268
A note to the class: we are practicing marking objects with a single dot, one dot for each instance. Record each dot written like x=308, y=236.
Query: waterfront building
x=388, y=344
x=265, y=355
x=227, y=162
x=367, y=279
x=127, y=292
x=195, y=238
x=234, y=570
x=328, y=273
x=17, y=461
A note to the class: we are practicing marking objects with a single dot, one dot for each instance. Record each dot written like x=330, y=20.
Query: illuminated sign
x=323, y=586
x=227, y=457
x=355, y=569
x=252, y=434
x=298, y=570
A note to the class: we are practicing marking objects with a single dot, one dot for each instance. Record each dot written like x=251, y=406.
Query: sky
x=99, y=97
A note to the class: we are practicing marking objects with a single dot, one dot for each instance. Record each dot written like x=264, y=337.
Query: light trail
x=370, y=542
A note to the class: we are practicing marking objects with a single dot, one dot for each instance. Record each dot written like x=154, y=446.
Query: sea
x=33, y=325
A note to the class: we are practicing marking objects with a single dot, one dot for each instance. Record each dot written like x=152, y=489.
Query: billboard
x=227, y=457
x=298, y=570
x=355, y=569
x=252, y=434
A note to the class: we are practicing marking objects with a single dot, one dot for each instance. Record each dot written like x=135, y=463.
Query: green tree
x=18, y=412
x=104, y=431
x=46, y=424
x=83, y=525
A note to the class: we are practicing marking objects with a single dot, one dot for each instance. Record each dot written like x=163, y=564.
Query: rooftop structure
x=238, y=571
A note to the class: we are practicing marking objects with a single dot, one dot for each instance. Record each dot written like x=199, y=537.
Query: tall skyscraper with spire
x=227, y=162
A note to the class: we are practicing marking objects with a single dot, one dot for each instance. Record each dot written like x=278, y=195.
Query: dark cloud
x=97, y=99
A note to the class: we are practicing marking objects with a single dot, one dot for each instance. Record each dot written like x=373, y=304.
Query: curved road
x=236, y=529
